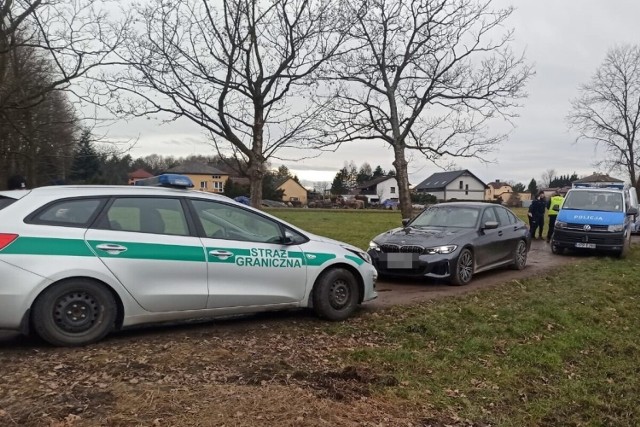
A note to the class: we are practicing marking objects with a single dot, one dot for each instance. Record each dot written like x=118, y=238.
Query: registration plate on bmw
x=586, y=245
x=400, y=261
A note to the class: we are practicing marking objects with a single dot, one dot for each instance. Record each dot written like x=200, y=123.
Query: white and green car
x=77, y=262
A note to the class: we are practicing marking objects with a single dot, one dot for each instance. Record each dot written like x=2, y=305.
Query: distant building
x=498, y=189
x=598, y=178
x=204, y=177
x=138, y=174
x=293, y=191
x=458, y=185
x=378, y=189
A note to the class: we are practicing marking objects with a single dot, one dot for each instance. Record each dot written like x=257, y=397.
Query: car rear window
x=5, y=201
x=70, y=212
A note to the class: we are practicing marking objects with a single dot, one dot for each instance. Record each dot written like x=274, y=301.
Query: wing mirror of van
x=632, y=211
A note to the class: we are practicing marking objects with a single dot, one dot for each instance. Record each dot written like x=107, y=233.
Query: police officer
x=553, y=206
x=536, y=215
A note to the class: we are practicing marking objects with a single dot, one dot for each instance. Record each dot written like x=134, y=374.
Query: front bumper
x=436, y=266
x=605, y=241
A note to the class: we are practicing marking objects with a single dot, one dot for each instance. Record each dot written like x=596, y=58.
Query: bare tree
x=240, y=69
x=427, y=75
x=607, y=111
x=547, y=177
x=73, y=37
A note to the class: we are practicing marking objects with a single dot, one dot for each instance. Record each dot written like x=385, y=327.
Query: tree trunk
x=256, y=176
x=402, y=176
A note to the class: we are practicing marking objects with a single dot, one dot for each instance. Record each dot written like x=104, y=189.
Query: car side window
x=513, y=219
x=69, y=212
x=225, y=221
x=489, y=215
x=503, y=216
x=146, y=215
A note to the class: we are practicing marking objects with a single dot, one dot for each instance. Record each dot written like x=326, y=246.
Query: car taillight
x=5, y=239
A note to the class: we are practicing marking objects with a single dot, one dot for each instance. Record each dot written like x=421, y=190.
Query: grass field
x=554, y=350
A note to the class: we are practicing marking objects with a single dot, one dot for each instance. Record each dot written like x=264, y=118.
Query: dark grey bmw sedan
x=452, y=241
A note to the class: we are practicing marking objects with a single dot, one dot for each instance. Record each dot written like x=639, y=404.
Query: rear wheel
x=520, y=256
x=335, y=295
x=463, y=271
x=75, y=312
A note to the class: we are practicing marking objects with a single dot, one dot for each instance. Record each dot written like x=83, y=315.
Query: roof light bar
x=166, y=180
x=617, y=186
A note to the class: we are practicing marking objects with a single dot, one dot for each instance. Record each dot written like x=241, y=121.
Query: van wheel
x=74, y=313
x=335, y=295
x=555, y=249
x=625, y=249
x=463, y=272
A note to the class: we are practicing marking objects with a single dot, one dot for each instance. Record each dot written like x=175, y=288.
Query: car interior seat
x=151, y=222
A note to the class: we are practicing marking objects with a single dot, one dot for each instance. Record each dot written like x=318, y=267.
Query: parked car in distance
x=77, y=262
x=452, y=241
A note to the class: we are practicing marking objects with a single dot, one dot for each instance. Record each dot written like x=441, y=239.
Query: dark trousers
x=536, y=223
x=552, y=225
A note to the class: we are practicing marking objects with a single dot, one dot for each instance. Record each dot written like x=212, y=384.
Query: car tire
x=625, y=249
x=335, y=295
x=74, y=313
x=555, y=249
x=520, y=256
x=463, y=272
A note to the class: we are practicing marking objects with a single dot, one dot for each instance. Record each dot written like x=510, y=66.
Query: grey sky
x=566, y=40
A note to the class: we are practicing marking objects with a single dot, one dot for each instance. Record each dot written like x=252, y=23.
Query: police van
x=596, y=217
x=77, y=262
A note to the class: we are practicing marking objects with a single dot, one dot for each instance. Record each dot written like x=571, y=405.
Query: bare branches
x=607, y=111
x=427, y=75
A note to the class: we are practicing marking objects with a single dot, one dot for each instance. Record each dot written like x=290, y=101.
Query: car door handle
x=111, y=248
x=499, y=233
x=220, y=254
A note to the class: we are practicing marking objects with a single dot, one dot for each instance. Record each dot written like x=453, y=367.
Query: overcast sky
x=566, y=40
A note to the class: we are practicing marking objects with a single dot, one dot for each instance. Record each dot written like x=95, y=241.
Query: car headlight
x=447, y=249
x=614, y=228
x=373, y=245
x=561, y=224
x=363, y=255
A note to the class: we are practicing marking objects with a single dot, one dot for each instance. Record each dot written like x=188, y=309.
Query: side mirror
x=490, y=225
x=632, y=211
x=406, y=221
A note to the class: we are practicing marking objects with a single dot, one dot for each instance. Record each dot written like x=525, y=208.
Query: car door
x=147, y=244
x=487, y=244
x=508, y=234
x=248, y=264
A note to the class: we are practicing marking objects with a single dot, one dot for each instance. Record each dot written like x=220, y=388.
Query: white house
x=459, y=185
x=379, y=189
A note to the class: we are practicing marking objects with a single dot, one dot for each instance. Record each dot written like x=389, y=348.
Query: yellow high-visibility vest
x=555, y=204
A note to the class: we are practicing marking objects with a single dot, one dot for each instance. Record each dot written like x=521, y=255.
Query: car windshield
x=448, y=216
x=594, y=200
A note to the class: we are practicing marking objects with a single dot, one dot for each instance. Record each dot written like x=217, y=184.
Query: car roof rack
x=170, y=180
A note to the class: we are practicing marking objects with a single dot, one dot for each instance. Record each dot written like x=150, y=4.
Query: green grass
x=557, y=349
x=353, y=226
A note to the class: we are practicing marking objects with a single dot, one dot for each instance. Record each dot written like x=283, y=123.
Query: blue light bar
x=166, y=180
x=603, y=185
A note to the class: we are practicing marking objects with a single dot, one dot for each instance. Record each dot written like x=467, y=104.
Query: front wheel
x=75, y=312
x=520, y=256
x=555, y=249
x=335, y=295
x=463, y=271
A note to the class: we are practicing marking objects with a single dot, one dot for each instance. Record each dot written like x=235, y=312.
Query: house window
x=293, y=199
x=392, y=190
x=203, y=184
x=461, y=185
x=218, y=186
x=466, y=189
x=216, y=176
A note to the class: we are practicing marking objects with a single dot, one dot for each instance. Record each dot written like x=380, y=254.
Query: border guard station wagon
x=77, y=262
x=596, y=217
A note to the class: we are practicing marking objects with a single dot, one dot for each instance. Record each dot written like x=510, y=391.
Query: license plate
x=399, y=261
x=586, y=245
